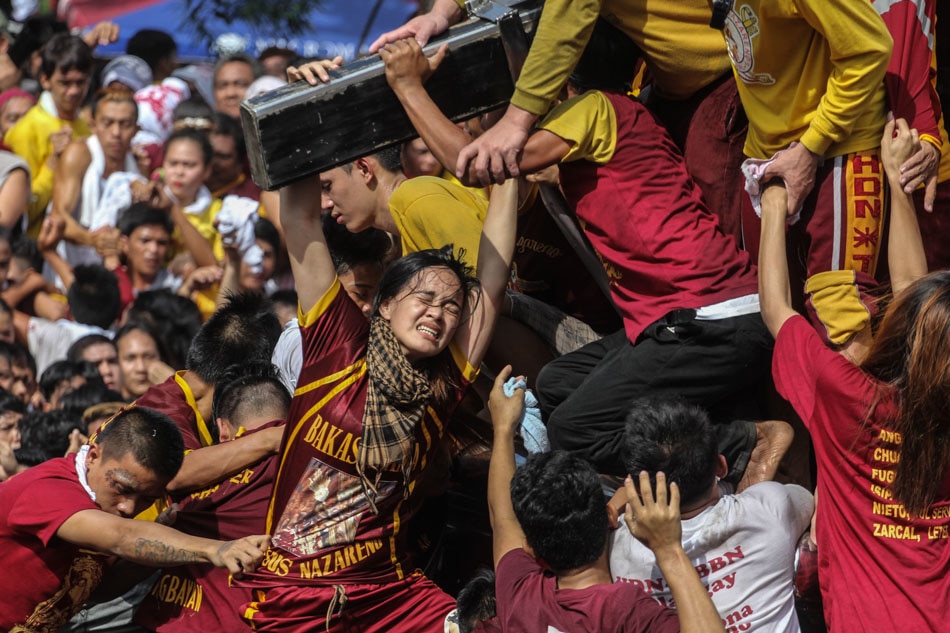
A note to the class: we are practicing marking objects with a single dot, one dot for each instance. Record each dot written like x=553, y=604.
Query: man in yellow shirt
x=49, y=126
x=811, y=77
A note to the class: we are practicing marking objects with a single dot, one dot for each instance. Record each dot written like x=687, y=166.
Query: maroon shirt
x=529, y=601
x=199, y=597
x=174, y=398
x=662, y=248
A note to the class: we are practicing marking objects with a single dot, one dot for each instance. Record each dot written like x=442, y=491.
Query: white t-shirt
x=743, y=548
x=49, y=341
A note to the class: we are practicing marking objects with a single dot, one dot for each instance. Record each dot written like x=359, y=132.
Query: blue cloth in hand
x=533, y=432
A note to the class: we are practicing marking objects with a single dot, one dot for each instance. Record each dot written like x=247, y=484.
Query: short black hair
x=76, y=401
x=243, y=330
x=349, y=250
x=9, y=402
x=93, y=297
x=189, y=134
x=476, y=600
x=45, y=436
x=152, y=45
x=250, y=389
x=34, y=33
x=227, y=125
x=675, y=437
x=560, y=505
x=175, y=321
x=265, y=230
x=63, y=371
x=150, y=436
x=65, y=52
x=25, y=249
x=244, y=58
x=78, y=348
x=141, y=214
x=285, y=297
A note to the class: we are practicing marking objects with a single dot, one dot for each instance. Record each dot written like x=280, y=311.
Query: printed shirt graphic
x=871, y=549
x=323, y=529
x=743, y=549
x=47, y=579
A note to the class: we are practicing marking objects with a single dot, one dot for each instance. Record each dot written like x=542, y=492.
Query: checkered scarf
x=396, y=400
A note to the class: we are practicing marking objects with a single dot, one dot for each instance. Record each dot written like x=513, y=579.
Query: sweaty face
x=145, y=249
x=13, y=110
x=106, y=360
x=185, y=169
x=122, y=485
x=67, y=89
x=137, y=352
x=114, y=126
x=426, y=312
x=347, y=198
x=230, y=86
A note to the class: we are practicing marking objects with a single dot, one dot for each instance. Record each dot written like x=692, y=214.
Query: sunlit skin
x=115, y=125
x=185, y=169
x=123, y=486
x=145, y=250
x=350, y=203
x=137, y=352
x=67, y=89
x=230, y=86
x=426, y=313
x=255, y=282
x=106, y=359
x=12, y=111
x=10, y=428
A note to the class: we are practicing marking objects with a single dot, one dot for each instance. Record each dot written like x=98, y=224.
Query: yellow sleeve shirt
x=588, y=122
x=682, y=52
x=809, y=71
x=29, y=138
x=431, y=212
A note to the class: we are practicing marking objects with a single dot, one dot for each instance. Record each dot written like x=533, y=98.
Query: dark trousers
x=719, y=365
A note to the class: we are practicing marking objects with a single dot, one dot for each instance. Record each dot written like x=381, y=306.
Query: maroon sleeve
x=512, y=570
x=334, y=322
x=910, y=74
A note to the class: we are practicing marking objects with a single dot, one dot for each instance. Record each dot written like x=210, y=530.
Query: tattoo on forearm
x=152, y=551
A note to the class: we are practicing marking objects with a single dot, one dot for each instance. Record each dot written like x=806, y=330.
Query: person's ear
x=722, y=468
x=94, y=455
x=224, y=430
x=365, y=168
x=385, y=309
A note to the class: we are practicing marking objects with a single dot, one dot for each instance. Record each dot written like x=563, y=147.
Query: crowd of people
x=555, y=368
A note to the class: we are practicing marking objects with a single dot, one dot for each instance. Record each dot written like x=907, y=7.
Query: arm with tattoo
x=157, y=545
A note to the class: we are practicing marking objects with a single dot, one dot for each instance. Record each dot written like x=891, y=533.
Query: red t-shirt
x=880, y=569
x=323, y=530
x=662, y=249
x=174, y=398
x=45, y=579
x=529, y=601
x=200, y=597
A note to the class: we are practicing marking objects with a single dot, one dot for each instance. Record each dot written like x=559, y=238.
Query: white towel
x=236, y=221
x=116, y=199
x=753, y=169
